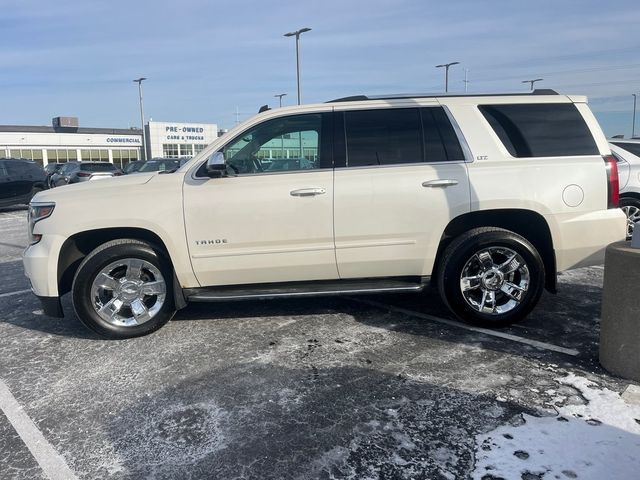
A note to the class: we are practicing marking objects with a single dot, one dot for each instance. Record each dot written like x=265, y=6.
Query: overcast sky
x=207, y=60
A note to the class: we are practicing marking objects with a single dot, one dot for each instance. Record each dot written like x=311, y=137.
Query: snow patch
x=594, y=439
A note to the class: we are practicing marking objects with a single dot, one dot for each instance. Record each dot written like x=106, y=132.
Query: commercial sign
x=123, y=140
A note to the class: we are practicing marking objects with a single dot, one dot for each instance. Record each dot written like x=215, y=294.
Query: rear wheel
x=491, y=277
x=631, y=208
x=123, y=289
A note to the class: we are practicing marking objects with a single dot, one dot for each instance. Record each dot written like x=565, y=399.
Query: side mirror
x=216, y=166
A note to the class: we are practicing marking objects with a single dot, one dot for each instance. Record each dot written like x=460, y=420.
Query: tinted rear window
x=383, y=137
x=98, y=167
x=541, y=130
x=629, y=147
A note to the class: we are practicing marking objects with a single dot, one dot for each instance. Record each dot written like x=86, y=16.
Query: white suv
x=482, y=196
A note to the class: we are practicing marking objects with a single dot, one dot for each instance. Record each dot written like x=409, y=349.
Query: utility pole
x=144, y=135
x=533, y=81
x=297, y=34
x=446, y=73
x=633, y=125
x=279, y=96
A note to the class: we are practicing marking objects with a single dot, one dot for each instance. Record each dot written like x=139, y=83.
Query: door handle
x=440, y=183
x=307, y=192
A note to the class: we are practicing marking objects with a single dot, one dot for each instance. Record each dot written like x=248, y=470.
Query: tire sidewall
x=459, y=257
x=88, y=270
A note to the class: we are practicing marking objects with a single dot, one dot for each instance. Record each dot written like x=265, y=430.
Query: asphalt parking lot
x=365, y=387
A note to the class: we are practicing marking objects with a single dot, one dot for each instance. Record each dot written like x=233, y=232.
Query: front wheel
x=491, y=277
x=123, y=289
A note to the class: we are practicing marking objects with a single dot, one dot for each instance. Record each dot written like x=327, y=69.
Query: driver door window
x=280, y=145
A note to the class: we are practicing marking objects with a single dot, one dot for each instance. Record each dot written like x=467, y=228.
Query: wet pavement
x=367, y=387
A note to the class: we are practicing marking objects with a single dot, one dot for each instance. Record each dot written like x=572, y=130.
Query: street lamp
x=446, y=73
x=279, y=96
x=533, y=81
x=297, y=34
x=144, y=135
x=633, y=125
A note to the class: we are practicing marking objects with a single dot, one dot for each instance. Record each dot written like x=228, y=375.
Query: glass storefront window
x=170, y=150
x=186, y=150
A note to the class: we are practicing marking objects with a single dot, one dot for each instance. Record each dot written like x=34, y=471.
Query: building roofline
x=80, y=130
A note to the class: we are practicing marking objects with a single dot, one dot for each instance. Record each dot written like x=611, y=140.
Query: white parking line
x=51, y=462
x=18, y=292
x=486, y=331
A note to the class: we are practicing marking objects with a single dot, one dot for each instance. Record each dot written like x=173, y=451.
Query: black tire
x=631, y=208
x=460, y=256
x=101, y=258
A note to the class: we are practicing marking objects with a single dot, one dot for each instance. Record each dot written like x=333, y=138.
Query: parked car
x=76, y=172
x=627, y=152
x=50, y=169
x=20, y=180
x=484, y=197
x=133, y=167
x=160, y=165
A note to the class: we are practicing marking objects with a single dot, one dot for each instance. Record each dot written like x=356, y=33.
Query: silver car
x=627, y=152
x=76, y=172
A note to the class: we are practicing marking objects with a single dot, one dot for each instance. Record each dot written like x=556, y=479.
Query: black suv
x=19, y=181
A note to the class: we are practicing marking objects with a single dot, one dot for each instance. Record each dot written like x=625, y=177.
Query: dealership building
x=65, y=141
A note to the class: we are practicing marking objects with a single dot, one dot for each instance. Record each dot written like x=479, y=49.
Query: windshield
x=98, y=167
x=159, y=165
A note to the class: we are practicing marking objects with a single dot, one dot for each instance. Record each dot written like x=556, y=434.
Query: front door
x=270, y=219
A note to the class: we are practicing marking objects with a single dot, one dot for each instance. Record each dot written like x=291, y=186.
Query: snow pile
x=597, y=440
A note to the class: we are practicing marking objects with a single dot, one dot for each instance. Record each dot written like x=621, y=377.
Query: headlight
x=38, y=211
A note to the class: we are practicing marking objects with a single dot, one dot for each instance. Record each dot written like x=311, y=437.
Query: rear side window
x=633, y=148
x=383, y=137
x=541, y=130
x=440, y=140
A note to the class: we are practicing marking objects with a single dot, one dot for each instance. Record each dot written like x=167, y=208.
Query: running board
x=303, y=289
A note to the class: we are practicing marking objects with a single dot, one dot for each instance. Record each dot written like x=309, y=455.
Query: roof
x=360, y=98
x=50, y=129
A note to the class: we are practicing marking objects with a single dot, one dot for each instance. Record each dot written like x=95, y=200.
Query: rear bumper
x=581, y=240
x=52, y=306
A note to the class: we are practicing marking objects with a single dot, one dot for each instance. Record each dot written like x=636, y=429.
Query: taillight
x=613, y=182
x=84, y=174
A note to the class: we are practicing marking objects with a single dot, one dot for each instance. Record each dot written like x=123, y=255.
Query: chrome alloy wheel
x=128, y=292
x=494, y=280
x=633, y=216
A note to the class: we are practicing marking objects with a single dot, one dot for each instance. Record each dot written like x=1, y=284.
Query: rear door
x=404, y=178
x=6, y=182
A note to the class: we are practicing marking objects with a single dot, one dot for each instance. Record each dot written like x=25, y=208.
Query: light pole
x=144, y=135
x=446, y=73
x=533, y=81
x=466, y=82
x=633, y=124
x=279, y=96
x=297, y=34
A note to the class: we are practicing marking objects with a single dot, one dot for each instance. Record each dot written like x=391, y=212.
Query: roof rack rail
x=400, y=96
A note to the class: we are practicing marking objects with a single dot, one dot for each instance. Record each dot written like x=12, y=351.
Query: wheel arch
x=634, y=195
x=527, y=223
x=78, y=246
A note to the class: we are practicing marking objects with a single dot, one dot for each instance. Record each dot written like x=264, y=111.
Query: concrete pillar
x=620, y=324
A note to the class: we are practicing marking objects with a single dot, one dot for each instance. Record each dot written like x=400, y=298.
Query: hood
x=107, y=186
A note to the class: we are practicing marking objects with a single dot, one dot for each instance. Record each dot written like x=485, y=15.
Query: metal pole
x=297, y=34
x=466, y=82
x=446, y=79
x=633, y=125
x=144, y=135
x=298, y=65
x=280, y=95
